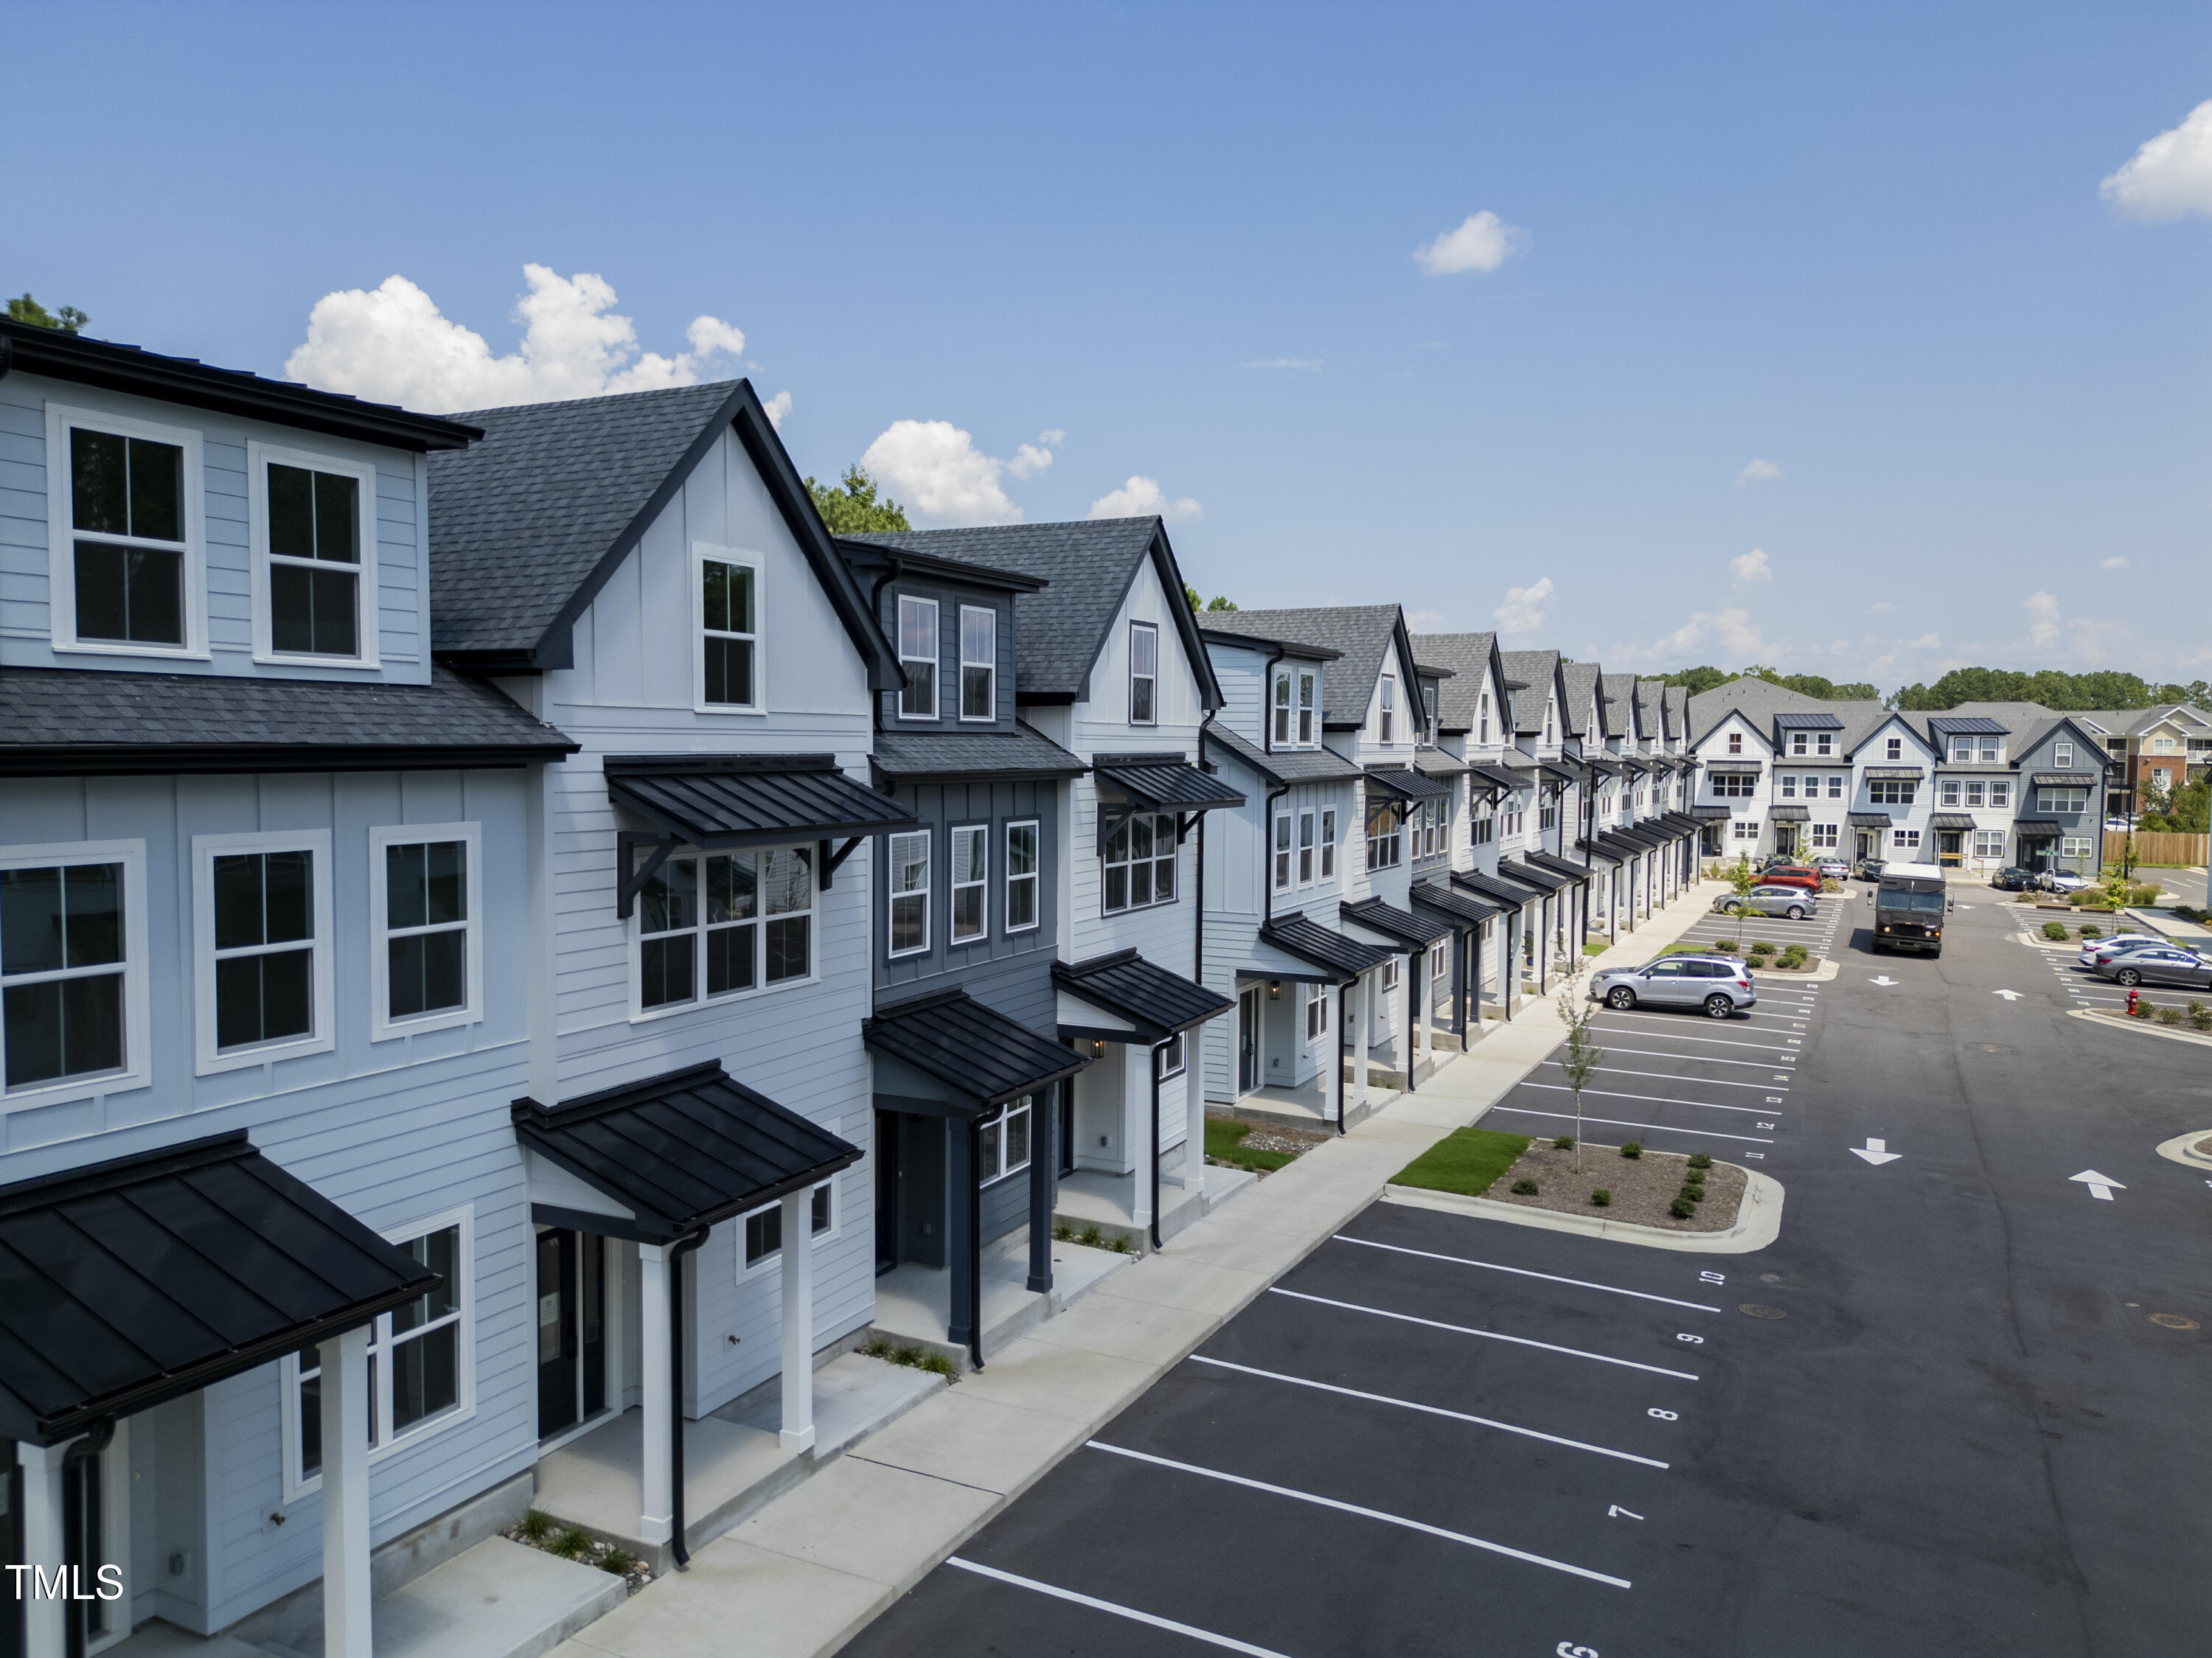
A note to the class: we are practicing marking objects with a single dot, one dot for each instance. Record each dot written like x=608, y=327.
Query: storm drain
x=1754, y=1309
x=2173, y=1320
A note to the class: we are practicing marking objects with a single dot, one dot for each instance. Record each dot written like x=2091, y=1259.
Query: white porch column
x=798, y=1217
x=1424, y=1020
x=656, y=1478
x=1358, y=1032
x=1137, y=1062
x=345, y=1495
x=1194, y=1134
x=45, y=1617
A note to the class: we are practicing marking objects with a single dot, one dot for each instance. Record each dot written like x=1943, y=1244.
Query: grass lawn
x=1467, y=1160
x=1594, y=947
x=1224, y=1143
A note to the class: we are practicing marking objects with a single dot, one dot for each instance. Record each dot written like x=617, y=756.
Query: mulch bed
x=588, y=1551
x=1642, y=1188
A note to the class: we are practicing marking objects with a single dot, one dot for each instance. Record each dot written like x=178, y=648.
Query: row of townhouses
x=520, y=950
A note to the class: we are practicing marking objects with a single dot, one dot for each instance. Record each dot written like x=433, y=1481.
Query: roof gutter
x=683, y=1246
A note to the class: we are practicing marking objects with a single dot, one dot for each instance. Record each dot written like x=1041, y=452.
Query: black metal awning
x=1867, y=819
x=1733, y=768
x=682, y=1150
x=1895, y=774
x=1712, y=814
x=2057, y=780
x=1534, y=875
x=1439, y=763
x=1512, y=894
x=1680, y=822
x=1635, y=835
x=1401, y=925
x=1463, y=909
x=1406, y=784
x=1154, y=783
x=1151, y=1002
x=1951, y=820
x=128, y=1283
x=1496, y=776
x=974, y=1050
x=1614, y=853
x=1559, y=866
x=1601, y=765
x=2038, y=828
x=1789, y=814
x=1324, y=947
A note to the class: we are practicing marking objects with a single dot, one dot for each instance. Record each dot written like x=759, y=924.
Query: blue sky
x=1174, y=247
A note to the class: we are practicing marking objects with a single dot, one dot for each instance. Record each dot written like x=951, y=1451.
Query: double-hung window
x=1735, y=743
x=1306, y=847
x=2062, y=755
x=1825, y=835
x=720, y=924
x=1282, y=715
x=1891, y=792
x=1788, y=788
x=1907, y=838
x=1316, y=1000
x=2049, y=800
x=1482, y=722
x=729, y=630
x=1836, y=786
x=1002, y=1140
x=765, y=1227
x=1022, y=877
x=909, y=908
x=422, y=1359
x=1282, y=854
x=127, y=559
x=427, y=964
x=1140, y=863
x=1948, y=792
x=1428, y=717
x=1328, y=843
x=1893, y=748
x=1800, y=742
x=1144, y=673
x=1977, y=794
x=73, y=959
x=1736, y=786
x=971, y=870
x=918, y=648
x=312, y=526
x=1385, y=834
x=2001, y=794
x=1482, y=830
x=1389, y=697
x=262, y=936
x=979, y=662
x=1308, y=698
x=1988, y=843
x=2074, y=846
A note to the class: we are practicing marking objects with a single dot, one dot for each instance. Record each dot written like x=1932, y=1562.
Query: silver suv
x=1718, y=984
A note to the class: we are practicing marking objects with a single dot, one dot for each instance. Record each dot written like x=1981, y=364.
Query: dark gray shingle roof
x=1360, y=632
x=1284, y=765
x=1466, y=655
x=1534, y=668
x=1584, y=681
x=1021, y=751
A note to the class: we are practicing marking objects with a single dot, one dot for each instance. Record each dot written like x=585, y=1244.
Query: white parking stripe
x=1129, y=1612
x=1669, y=1076
x=1522, y=1271
x=1721, y=1042
x=1658, y=1099
x=1676, y=1018
x=1431, y=1409
x=1493, y=1335
x=1686, y=1059
x=1364, y=1512
x=1623, y=1122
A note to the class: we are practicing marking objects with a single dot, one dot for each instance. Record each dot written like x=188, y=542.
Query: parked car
x=1791, y=875
x=1718, y=984
x=2059, y=880
x=1870, y=869
x=1832, y=869
x=2094, y=951
x=2119, y=825
x=1794, y=903
x=2016, y=880
x=2158, y=964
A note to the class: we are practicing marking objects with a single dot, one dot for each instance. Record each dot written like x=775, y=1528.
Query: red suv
x=1791, y=875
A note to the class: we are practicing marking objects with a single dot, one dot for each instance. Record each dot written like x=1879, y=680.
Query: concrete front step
x=496, y=1600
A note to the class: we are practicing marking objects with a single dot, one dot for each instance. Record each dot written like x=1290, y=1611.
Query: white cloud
x=777, y=407
x=1884, y=606
x=1483, y=242
x=1142, y=497
x=2117, y=562
x=1925, y=642
x=2170, y=176
x=2079, y=641
x=1523, y=612
x=1029, y=460
x=1310, y=365
x=392, y=344
x=1425, y=621
x=1750, y=568
x=1757, y=471
x=936, y=469
x=1052, y=435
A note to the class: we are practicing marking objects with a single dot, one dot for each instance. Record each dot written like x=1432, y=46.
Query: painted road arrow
x=1884, y=980
x=2009, y=995
x=2100, y=1186
x=1875, y=1152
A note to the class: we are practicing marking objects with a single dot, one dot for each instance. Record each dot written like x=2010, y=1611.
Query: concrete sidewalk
x=804, y=1574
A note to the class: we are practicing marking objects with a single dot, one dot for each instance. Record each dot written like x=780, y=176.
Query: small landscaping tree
x=1743, y=878
x=1583, y=1056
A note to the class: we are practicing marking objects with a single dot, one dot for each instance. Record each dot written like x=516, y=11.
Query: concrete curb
x=2141, y=1027
x=1759, y=1223
x=2182, y=1149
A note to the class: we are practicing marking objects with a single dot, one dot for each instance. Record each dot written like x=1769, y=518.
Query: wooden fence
x=2157, y=847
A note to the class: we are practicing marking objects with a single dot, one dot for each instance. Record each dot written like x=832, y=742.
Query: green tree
x=2048, y=686
x=2184, y=810
x=26, y=309
x=1584, y=1056
x=1219, y=601
x=853, y=509
x=1696, y=681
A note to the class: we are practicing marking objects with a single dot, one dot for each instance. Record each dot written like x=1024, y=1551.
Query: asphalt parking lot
x=1959, y=1407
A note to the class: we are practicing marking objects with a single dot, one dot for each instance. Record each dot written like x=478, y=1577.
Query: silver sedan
x=2158, y=964
x=1793, y=903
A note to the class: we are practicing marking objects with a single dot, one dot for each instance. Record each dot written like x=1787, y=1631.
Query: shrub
x=1091, y=1235
x=1601, y=1197
x=1701, y=1160
x=938, y=1365
x=1564, y=1143
x=536, y=1525
x=1693, y=1177
x=1763, y=947
x=2200, y=1016
x=1795, y=956
x=1681, y=1209
x=2145, y=1007
x=2170, y=1016
x=1691, y=1193
x=2055, y=930
x=2092, y=931
x=1119, y=1244
x=1062, y=1232
x=1632, y=1151
x=1525, y=1187
x=1724, y=946
x=617, y=1561
x=573, y=1544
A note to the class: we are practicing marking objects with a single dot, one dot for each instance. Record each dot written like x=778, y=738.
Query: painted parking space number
x=1569, y=1649
x=1712, y=1278
x=1664, y=1416
x=1695, y=1341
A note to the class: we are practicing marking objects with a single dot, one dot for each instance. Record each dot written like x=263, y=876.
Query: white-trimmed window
x=425, y=938
x=1328, y=843
x=127, y=545
x=2074, y=846
x=2048, y=800
x=1308, y=705
x=1800, y=742
x=729, y=667
x=1745, y=831
x=1735, y=743
x=1836, y=786
x=1988, y=843
x=1144, y=673
x=1789, y=788
x=1002, y=1140
x=312, y=530
x=1892, y=791
x=979, y=662
x=1390, y=973
x=1826, y=837
x=421, y=1359
x=1283, y=712
x=1947, y=792
x=261, y=925
x=1169, y=1057
x=1893, y=748
x=1140, y=863
x=909, y=907
x=1316, y=998
x=2001, y=792
x=1022, y=877
x=1282, y=854
x=73, y=959
x=1306, y=847
x=1482, y=721
x=1386, y=822
x=971, y=873
x=1428, y=739
x=763, y=1230
x=1977, y=792
x=1551, y=719
x=1906, y=838
x=1389, y=698
x=714, y=925
x=1439, y=974
x=1482, y=830
x=918, y=646
x=2062, y=755
x=1729, y=784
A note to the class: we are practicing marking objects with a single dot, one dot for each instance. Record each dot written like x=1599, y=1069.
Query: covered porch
x=1397, y=1048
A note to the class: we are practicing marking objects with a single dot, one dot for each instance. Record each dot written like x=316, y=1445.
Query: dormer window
x=918, y=646
x=1827, y=742
x=1389, y=699
x=127, y=561
x=1482, y=721
x=1144, y=673
x=1428, y=716
x=1736, y=742
x=979, y=662
x=1551, y=718
x=1282, y=711
x=1308, y=704
x=1800, y=742
x=313, y=534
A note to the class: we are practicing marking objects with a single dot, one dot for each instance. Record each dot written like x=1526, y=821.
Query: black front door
x=1247, y=1039
x=572, y=1328
x=887, y=1191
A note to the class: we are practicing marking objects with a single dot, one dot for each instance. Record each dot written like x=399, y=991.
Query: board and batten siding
x=402, y=605
x=943, y=807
